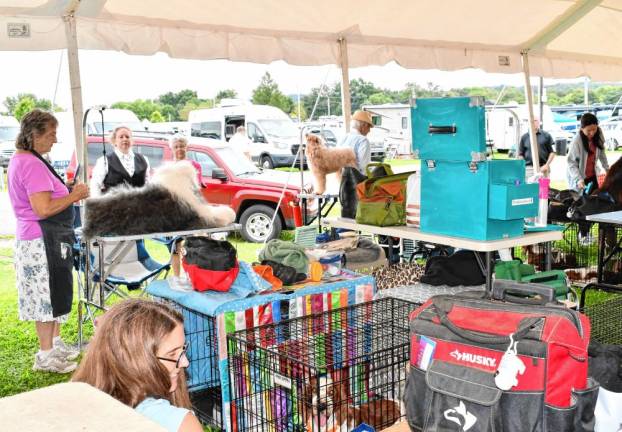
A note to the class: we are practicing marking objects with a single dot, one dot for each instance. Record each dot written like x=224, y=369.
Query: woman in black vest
x=122, y=167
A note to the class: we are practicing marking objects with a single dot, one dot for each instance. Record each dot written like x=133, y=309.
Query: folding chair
x=124, y=263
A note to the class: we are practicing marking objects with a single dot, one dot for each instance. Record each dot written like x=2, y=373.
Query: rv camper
x=395, y=119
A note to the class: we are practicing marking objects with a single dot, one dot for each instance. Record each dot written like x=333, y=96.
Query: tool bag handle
x=370, y=166
x=504, y=290
x=523, y=329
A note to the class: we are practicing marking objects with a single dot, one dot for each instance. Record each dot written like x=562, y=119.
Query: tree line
x=325, y=99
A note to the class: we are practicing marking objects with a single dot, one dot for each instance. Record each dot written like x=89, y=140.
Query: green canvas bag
x=382, y=200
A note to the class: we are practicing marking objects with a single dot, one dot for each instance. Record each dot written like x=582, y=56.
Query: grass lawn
x=18, y=340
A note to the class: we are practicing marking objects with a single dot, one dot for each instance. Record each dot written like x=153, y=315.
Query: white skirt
x=33, y=282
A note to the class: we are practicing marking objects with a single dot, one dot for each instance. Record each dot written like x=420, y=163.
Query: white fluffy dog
x=181, y=179
x=170, y=201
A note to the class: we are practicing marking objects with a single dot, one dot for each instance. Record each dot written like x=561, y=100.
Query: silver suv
x=9, y=128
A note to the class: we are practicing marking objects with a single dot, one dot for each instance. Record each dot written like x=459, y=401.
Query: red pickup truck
x=230, y=179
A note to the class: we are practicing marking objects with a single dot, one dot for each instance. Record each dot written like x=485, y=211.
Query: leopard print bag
x=398, y=275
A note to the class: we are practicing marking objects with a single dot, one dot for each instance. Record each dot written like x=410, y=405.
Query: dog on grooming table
x=171, y=201
x=324, y=160
x=354, y=151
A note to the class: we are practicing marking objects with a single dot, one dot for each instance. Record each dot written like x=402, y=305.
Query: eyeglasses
x=178, y=360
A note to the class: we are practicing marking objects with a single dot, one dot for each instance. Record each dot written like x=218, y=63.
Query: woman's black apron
x=59, y=238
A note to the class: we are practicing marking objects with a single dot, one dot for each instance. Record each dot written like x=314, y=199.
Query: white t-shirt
x=240, y=142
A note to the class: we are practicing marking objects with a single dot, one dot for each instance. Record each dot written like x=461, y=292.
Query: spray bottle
x=543, y=202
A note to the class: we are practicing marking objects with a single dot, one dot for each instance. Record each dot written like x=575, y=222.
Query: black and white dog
x=171, y=201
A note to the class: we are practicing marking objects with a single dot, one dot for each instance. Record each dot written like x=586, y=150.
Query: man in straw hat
x=357, y=140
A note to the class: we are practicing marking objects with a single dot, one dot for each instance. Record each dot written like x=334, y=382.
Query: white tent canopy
x=563, y=38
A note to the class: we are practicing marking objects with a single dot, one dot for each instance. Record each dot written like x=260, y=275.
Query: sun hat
x=363, y=116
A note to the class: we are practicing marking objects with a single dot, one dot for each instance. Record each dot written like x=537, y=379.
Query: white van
x=9, y=129
x=275, y=137
x=179, y=127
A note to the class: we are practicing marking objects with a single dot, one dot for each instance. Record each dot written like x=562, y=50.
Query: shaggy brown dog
x=324, y=160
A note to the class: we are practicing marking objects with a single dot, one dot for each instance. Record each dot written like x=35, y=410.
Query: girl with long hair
x=138, y=356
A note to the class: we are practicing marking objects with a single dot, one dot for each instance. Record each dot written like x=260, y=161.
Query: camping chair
x=126, y=266
x=125, y=263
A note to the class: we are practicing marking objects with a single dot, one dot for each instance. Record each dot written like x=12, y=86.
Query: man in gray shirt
x=357, y=140
x=546, y=154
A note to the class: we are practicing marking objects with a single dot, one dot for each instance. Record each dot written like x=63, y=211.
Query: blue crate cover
x=450, y=129
x=456, y=199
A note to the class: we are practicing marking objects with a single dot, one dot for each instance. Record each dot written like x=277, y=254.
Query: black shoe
x=287, y=274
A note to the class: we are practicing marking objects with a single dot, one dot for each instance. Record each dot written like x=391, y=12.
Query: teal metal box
x=479, y=200
x=511, y=201
x=450, y=129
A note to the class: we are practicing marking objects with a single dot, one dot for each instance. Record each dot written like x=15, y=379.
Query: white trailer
x=506, y=124
x=395, y=118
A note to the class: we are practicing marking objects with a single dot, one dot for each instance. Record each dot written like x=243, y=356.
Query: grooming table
x=605, y=220
x=487, y=246
x=72, y=406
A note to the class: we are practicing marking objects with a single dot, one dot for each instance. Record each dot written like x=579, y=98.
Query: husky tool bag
x=516, y=362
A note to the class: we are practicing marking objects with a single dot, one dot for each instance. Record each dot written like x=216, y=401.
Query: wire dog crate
x=567, y=253
x=603, y=306
x=326, y=372
x=579, y=260
x=203, y=376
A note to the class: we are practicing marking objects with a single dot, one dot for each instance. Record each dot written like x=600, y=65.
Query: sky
x=109, y=77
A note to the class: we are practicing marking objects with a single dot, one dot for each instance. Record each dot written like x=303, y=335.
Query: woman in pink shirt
x=43, y=207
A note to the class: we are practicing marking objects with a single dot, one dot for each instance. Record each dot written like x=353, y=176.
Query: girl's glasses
x=178, y=360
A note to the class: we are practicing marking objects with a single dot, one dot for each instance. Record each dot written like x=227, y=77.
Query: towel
x=287, y=253
x=208, y=302
x=367, y=251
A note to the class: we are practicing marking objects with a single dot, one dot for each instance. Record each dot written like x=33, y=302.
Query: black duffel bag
x=559, y=204
x=461, y=268
x=210, y=264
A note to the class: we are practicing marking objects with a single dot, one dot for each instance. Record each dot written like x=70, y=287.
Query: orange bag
x=265, y=271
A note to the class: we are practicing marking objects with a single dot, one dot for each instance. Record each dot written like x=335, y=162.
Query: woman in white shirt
x=122, y=167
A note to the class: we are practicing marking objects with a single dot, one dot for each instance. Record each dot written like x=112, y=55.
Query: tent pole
x=529, y=100
x=71, y=35
x=541, y=102
x=76, y=87
x=345, y=83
